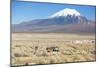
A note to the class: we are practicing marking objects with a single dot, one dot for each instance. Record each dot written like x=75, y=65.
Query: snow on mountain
x=66, y=12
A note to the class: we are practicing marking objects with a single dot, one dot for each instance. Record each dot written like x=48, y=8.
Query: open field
x=49, y=48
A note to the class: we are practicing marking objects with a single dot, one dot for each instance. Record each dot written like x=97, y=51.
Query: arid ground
x=50, y=48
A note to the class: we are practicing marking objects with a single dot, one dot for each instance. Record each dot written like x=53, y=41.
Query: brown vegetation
x=48, y=48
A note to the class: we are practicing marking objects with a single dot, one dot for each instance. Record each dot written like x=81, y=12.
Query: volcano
x=66, y=20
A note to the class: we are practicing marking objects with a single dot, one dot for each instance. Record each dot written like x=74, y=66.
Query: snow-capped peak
x=66, y=12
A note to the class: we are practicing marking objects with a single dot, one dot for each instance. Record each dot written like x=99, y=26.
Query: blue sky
x=27, y=11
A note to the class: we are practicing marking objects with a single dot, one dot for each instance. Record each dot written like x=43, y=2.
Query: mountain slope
x=66, y=20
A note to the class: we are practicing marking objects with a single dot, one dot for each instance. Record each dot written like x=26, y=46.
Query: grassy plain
x=72, y=48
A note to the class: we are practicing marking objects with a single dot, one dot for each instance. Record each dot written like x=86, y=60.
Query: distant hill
x=67, y=20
